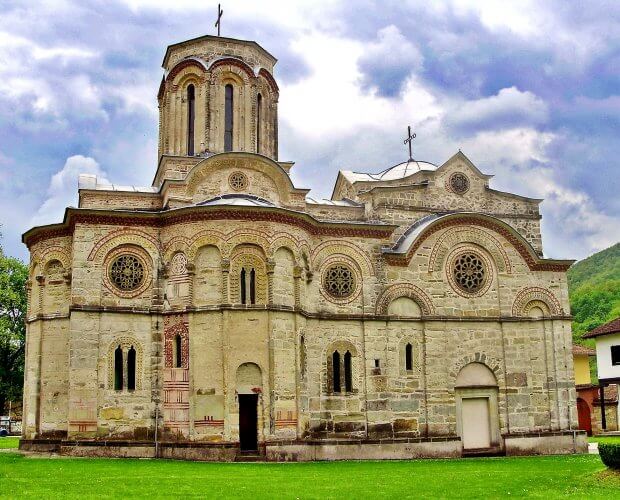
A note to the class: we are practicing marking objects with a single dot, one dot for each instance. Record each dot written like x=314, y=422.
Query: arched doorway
x=249, y=387
x=584, y=416
x=476, y=407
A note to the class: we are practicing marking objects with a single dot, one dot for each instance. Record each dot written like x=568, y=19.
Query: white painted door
x=476, y=429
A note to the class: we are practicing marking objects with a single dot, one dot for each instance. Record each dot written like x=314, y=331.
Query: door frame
x=489, y=393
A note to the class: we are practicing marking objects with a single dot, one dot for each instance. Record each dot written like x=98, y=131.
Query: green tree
x=13, y=298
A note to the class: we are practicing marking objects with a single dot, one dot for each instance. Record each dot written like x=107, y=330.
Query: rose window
x=127, y=273
x=459, y=183
x=469, y=272
x=238, y=181
x=339, y=281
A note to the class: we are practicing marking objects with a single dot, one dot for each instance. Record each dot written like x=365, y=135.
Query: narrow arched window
x=336, y=371
x=408, y=357
x=348, y=379
x=118, y=369
x=252, y=286
x=191, y=115
x=242, y=285
x=178, y=344
x=259, y=111
x=131, y=369
x=228, y=118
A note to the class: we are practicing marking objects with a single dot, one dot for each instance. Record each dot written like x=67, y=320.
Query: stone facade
x=222, y=306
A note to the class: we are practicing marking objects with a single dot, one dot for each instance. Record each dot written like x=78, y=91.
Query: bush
x=610, y=454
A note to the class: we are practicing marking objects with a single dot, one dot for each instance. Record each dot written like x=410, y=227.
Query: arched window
x=242, y=285
x=336, y=371
x=408, y=357
x=228, y=118
x=131, y=369
x=118, y=369
x=178, y=355
x=259, y=111
x=191, y=114
x=252, y=286
x=348, y=379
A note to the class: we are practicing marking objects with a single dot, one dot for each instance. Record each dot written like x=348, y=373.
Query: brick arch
x=203, y=239
x=125, y=236
x=531, y=295
x=285, y=240
x=185, y=63
x=458, y=235
x=398, y=290
x=235, y=63
x=270, y=80
x=341, y=247
x=241, y=237
x=54, y=253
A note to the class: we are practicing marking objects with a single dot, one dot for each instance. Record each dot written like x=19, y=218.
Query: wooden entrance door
x=583, y=414
x=248, y=422
x=476, y=425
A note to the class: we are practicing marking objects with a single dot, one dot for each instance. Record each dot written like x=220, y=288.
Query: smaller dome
x=404, y=169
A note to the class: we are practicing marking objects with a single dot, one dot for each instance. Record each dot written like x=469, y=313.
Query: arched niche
x=208, y=276
x=249, y=379
x=283, y=277
x=475, y=375
x=404, y=306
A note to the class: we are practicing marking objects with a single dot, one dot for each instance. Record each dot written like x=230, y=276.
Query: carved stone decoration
x=469, y=271
x=126, y=272
x=339, y=281
x=458, y=183
x=171, y=330
x=178, y=264
x=404, y=290
x=125, y=343
x=238, y=181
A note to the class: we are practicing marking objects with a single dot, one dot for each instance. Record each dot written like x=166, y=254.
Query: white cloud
x=62, y=190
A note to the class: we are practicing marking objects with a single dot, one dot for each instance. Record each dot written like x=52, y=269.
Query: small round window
x=469, y=272
x=238, y=181
x=339, y=281
x=459, y=183
x=126, y=272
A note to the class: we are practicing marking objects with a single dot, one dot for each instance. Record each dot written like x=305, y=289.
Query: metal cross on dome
x=219, y=18
x=409, y=139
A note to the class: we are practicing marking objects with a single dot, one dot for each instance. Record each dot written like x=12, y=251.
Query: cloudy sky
x=529, y=91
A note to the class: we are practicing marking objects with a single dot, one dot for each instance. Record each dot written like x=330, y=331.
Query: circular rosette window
x=340, y=282
x=469, y=272
x=458, y=183
x=127, y=273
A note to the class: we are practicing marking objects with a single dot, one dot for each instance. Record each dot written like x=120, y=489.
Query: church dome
x=404, y=169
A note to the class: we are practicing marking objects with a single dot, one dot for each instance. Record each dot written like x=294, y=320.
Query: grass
x=549, y=477
x=9, y=442
x=604, y=439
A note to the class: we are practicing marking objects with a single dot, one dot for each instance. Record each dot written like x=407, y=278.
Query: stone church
x=223, y=312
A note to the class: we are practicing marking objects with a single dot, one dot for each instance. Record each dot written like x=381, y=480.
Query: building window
x=178, y=352
x=247, y=284
x=469, y=272
x=336, y=371
x=228, y=118
x=191, y=114
x=118, y=369
x=340, y=372
x=131, y=369
x=408, y=357
x=127, y=272
x=615, y=355
x=339, y=281
x=259, y=111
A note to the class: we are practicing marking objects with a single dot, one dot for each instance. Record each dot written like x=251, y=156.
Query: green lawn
x=604, y=439
x=9, y=442
x=550, y=477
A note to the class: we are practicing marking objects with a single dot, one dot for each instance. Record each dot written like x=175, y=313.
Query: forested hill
x=594, y=289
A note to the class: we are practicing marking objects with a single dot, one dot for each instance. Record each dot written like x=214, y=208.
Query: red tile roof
x=612, y=327
x=583, y=350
